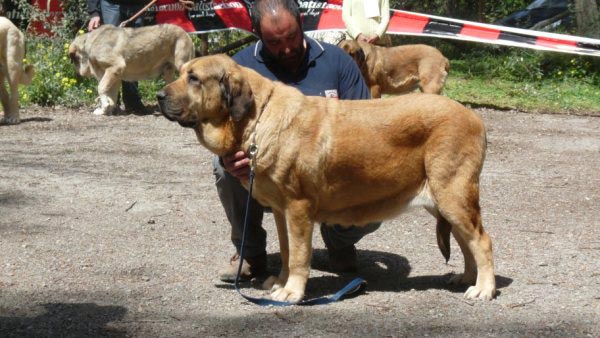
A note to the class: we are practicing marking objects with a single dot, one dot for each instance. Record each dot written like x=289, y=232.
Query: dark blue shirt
x=326, y=70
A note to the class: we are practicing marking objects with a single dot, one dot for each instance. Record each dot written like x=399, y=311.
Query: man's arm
x=93, y=9
x=385, y=18
x=347, y=18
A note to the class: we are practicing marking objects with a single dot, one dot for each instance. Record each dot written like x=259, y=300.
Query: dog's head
x=210, y=90
x=79, y=56
x=353, y=48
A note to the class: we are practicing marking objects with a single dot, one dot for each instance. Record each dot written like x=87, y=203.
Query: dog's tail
x=442, y=231
x=27, y=75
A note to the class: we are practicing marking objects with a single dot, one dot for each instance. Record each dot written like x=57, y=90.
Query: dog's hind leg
x=432, y=78
x=375, y=92
x=184, y=51
x=453, y=171
x=458, y=203
x=12, y=74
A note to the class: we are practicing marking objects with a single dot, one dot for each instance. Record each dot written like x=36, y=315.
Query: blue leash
x=354, y=287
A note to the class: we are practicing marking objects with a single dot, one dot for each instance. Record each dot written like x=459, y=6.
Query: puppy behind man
x=12, y=52
x=400, y=69
x=112, y=54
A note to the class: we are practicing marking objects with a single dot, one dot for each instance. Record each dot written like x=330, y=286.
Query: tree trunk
x=588, y=18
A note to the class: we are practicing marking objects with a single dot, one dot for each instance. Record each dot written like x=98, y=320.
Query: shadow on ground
x=66, y=320
x=383, y=271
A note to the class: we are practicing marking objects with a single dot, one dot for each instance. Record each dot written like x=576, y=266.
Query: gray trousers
x=234, y=198
x=114, y=14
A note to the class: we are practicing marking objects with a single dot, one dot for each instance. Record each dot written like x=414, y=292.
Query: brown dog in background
x=12, y=53
x=400, y=69
x=316, y=161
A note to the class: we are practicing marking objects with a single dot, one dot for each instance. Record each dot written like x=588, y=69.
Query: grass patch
x=570, y=96
x=526, y=80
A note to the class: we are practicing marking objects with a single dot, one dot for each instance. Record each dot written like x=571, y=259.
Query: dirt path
x=110, y=226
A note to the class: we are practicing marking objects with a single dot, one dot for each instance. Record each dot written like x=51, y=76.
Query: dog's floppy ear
x=237, y=94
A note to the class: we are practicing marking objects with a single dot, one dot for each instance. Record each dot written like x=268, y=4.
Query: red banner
x=322, y=15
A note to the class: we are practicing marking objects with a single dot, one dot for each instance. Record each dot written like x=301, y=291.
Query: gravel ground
x=111, y=226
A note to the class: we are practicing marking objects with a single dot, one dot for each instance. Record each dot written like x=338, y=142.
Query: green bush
x=55, y=81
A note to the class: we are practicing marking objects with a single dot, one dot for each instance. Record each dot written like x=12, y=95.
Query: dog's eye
x=193, y=79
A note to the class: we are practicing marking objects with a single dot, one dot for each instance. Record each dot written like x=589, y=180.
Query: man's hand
x=361, y=37
x=373, y=39
x=94, y=23
x=238, y=165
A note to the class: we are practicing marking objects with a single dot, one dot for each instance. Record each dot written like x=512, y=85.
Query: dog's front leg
x=108, y=88
x=375, y=92
x=299, y=231
x=277, y=282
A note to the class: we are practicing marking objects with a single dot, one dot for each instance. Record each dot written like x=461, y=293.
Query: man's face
x=283, y=39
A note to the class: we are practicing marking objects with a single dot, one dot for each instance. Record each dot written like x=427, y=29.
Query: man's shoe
x=137, y=109
x=343, y=260
x=251, y=267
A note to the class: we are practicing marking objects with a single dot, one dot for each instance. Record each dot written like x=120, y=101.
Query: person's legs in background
x=114, y=14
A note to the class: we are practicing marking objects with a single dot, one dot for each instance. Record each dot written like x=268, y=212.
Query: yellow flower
x=81, y=31
x=89, y=91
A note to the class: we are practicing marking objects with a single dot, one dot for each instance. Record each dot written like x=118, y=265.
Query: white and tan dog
x=12, y=53
x=112, y=54
x=341, y=162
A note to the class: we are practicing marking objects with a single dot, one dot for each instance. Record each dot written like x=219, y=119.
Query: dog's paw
x=287, y=295
x=483, y=293
x=272, y=283
x=10, y=120
x=99, y=111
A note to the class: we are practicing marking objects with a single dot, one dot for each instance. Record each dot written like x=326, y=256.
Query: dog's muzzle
x=171, y=114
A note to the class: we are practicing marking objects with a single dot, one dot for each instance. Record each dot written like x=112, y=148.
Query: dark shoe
x=343, y=260
x=251, y=267
x=137, y=109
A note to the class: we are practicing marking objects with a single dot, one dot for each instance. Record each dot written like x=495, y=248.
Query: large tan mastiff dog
x=113, y=54
x=12, y=53
x=400, y=69
x=346, y=162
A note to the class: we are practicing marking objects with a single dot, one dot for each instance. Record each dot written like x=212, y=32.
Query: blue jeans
x=114, y=14
x=234, y=197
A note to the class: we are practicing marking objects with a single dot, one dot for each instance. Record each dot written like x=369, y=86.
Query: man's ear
x=237, y=94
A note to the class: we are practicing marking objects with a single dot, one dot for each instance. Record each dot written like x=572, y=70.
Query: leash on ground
x=355, y=286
